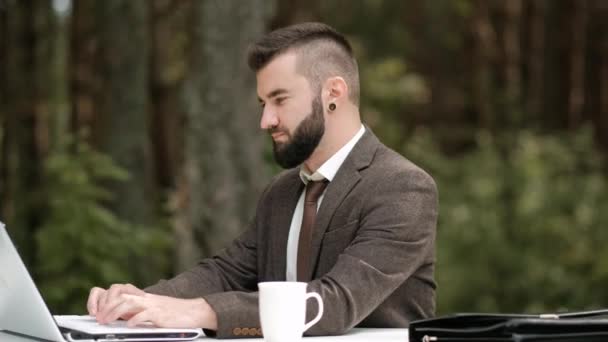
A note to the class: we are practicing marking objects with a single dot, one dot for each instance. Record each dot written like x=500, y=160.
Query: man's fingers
x=140, y=318
x=114, y=313
x=124, y=305
x=117, y=290
x=131, y=289
x=113, y=293
x=105, y=310
x=93, y=301
x=101, y=302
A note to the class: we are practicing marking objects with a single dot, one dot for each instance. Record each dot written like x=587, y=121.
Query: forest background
x=130, y=145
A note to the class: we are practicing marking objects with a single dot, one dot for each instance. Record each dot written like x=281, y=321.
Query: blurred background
x=130, y=144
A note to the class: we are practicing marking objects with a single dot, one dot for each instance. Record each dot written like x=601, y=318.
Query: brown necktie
x=313, y=192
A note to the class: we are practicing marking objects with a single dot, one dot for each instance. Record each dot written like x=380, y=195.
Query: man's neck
x=331, y=143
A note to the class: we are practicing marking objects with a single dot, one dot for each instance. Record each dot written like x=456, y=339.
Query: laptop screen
x=22, y=309
x=24, y=312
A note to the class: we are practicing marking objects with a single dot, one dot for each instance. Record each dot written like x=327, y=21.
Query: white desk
x=356, y=335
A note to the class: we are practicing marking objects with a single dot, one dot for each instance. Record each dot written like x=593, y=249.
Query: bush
x=82, y=244
x=522, y=223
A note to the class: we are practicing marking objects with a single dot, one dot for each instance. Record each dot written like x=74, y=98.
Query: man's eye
x=280, y=100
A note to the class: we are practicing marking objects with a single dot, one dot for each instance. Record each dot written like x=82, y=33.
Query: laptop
x=23, y=311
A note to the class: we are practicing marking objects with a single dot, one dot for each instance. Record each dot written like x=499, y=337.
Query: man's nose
x=269, y=118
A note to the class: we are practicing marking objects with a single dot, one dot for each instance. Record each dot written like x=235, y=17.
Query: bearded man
x=349, y=216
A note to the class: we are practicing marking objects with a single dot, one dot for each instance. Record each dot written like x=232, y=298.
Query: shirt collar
x=331, y=166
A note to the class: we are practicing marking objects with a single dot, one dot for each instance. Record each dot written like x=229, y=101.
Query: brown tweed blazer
x=373, y=248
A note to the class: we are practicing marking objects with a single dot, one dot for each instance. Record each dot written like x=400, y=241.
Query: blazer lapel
x=347, y=177
x=284, y=209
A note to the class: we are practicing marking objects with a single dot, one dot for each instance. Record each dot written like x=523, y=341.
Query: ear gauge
x=332, y=107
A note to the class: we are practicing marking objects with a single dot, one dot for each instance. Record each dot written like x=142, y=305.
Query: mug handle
x=319, y=314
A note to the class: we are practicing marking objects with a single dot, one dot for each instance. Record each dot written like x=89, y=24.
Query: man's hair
x=321, y=53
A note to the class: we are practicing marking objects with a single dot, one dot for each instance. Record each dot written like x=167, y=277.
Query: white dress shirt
x=327, y=171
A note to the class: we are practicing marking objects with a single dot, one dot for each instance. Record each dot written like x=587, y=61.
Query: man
x=368, y=250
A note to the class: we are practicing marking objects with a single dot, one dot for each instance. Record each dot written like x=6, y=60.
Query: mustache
x=276, y=129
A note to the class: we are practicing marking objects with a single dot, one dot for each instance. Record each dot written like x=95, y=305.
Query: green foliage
x=82, y=244
x=391, y=91
x=522, y=223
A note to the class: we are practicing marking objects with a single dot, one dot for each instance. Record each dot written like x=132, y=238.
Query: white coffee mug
x=283, y=310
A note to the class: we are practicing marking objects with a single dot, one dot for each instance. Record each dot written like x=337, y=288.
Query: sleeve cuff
x=237, y=315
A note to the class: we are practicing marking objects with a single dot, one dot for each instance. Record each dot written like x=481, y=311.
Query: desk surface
x=355, y=335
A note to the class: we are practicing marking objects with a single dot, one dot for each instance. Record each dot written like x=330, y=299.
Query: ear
x=335, y=90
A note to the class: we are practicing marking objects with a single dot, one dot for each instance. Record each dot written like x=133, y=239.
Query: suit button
x=253, y=332
x=236, y=331
x=259, y=332
x=245, y=331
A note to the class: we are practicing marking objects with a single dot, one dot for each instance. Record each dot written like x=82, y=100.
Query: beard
x=304, y=140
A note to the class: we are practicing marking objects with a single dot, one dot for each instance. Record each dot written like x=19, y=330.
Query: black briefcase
x=568, y=327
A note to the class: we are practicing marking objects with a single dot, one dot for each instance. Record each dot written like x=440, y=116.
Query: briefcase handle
x=577, y=314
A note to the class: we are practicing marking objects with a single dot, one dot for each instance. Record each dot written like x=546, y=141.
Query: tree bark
x=556, y=65
x=3, y=107
x=85, y=79
x=224, y=165
x=596, y=71
x=109, y=90
x=168, y=59
x=169, y=44
x=512, y=53
x=110, y=94
x=484, y=57
x=122, y=130
x=533, y=97
x=576, y=94
x=26, y=90
x=289, y=12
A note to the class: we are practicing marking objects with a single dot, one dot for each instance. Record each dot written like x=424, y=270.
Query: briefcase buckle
x=549, y=316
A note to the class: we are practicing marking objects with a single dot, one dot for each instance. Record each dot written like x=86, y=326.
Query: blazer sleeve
x=226, y=281
x=395, y=237
x=232, y=269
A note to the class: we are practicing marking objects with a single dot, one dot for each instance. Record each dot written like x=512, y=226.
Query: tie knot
x=314, y=190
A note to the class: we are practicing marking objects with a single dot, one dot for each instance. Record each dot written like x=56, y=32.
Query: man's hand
x=136, y=306
x=99, y=299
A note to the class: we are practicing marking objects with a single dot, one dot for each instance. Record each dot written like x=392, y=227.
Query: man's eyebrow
x=274, y=93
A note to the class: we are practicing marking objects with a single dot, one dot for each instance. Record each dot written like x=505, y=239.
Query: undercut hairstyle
x=321, y=53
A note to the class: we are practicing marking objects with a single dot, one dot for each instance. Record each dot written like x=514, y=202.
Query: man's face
x=291, y=114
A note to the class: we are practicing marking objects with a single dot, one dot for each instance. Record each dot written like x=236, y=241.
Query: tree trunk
x=168, y=59
x=576, y=93
x=289, y=12
x=596, y=71
x=169, y=43
x=557, y=47
x=109, y=92
x=512, y=57
x=3, y=107
x=85, y=79
x=109, y=85
x=224, y=167
x=122, y=130
x=28, y=27
x=534, y=64
x=485, y=54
